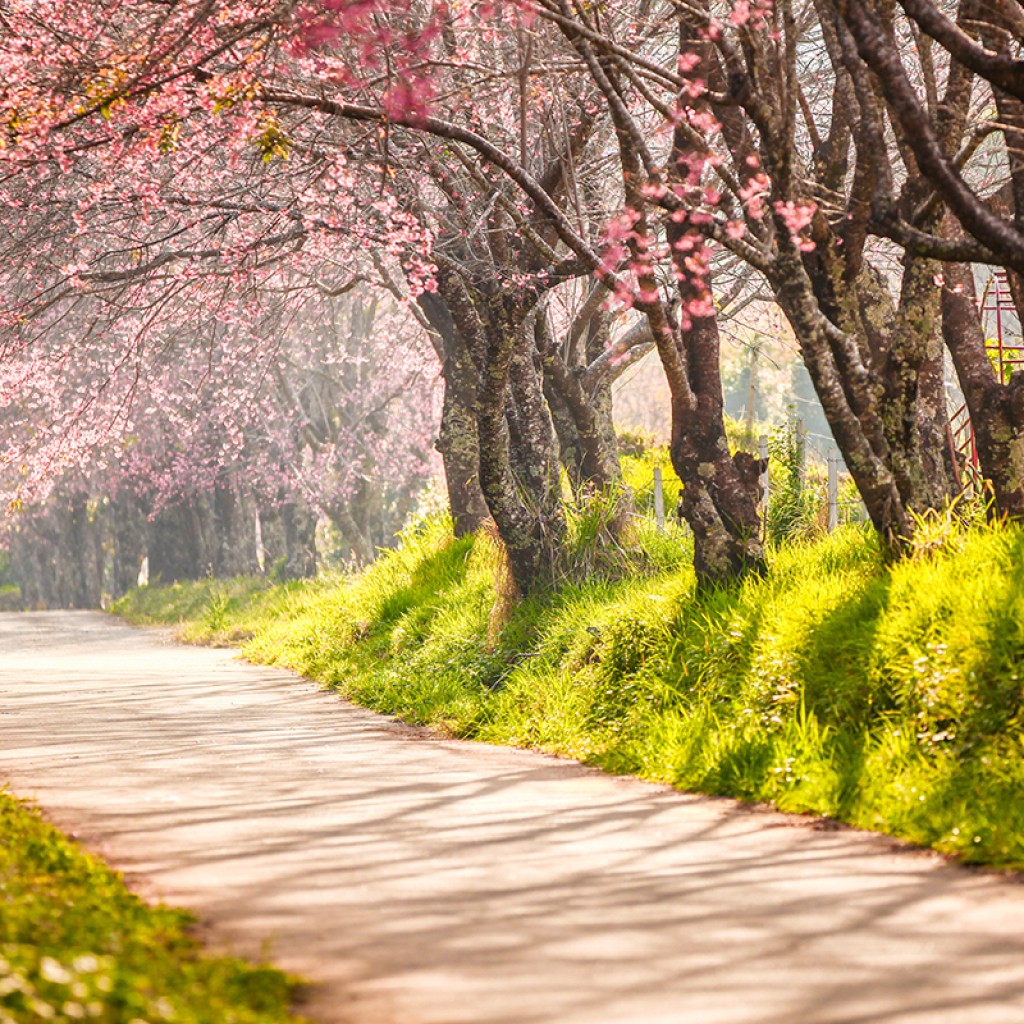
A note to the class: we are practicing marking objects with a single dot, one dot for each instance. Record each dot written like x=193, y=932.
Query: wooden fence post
x=659, y=500
x=833, y=490
x=764, y=481
x=800, y=432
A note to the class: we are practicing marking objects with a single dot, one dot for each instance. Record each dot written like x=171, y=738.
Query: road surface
x=418, y=880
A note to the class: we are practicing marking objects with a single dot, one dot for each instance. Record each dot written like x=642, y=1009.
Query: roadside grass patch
x=889, y=697
x=75, y=944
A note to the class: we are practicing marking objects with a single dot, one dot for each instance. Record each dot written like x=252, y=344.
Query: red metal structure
x=1006, y=349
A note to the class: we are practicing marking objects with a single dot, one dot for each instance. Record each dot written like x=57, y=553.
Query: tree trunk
x=234, y=537
x=81, y=555
x=583, y=424
x=534, y=445
x=914, y=410
x=127, y=525
x=361, y=550
x=720, y=501
x=517, y=456
x=996, y=409
x=57, y=554
x=272, y=537
x=847, y=395
x=30, y=567
x=519, y=485
x=299, y=528
x=458, y=441
x=570, y=448
x=175, y=544
x=718, y=505
x=877, y=370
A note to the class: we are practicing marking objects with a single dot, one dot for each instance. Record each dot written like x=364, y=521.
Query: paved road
x=423, y=881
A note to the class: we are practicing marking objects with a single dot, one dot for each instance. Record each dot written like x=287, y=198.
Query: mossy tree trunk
x=458, y=441
x=518, y=452
x=719, y=504
x=580, y=400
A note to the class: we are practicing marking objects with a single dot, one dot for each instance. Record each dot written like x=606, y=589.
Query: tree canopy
x=531, y=195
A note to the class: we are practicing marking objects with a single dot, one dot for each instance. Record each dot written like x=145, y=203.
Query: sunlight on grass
x=887, y=697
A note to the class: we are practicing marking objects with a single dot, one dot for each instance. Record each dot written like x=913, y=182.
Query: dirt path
x=421, y=881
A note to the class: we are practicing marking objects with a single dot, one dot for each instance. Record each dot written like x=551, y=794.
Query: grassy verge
x=889, y=698
x=76, y=945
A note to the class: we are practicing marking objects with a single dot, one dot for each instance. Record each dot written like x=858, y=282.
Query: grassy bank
x=888, y=698
x=76, y=945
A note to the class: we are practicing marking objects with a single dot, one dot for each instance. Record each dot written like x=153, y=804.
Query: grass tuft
x=76, y=945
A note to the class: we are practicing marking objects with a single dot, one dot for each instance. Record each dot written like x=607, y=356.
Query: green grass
x=76, y=945
x=887, y=697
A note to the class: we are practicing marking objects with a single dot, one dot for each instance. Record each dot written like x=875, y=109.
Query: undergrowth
x=887, y=697
x=76, y=945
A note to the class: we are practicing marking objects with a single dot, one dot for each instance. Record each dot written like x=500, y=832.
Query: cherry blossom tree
x=525, y=177
x=777, y=166
x=174, y=135
x=324, y=408
x=136, y=233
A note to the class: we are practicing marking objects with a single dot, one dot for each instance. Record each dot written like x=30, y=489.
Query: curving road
x=423, y=881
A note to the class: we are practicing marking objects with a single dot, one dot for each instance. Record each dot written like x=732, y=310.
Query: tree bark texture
x=458, y=440
x=996, y=408
x=520, y=485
